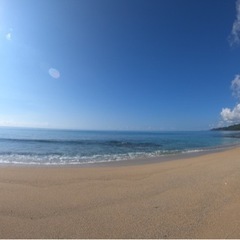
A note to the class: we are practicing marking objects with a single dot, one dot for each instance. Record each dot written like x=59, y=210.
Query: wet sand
x=195, y=197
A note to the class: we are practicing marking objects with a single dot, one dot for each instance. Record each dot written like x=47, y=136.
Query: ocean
x=69, y=147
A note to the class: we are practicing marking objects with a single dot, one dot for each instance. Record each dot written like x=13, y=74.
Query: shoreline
x=163, y=158
x=131, y=162
x=197, y=197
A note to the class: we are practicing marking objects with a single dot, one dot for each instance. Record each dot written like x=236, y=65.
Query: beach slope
x=188, y=198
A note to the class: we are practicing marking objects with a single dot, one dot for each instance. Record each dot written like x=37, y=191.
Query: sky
x=120, y=64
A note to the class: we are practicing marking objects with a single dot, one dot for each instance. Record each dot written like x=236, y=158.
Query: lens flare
x=54, y=73
x=9, y=36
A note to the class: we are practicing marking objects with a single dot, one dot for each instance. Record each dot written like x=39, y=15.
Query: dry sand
x=189, y=198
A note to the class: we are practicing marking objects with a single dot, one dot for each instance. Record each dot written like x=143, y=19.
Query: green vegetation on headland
x=235, y=127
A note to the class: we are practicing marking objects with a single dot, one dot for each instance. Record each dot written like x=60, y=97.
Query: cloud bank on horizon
x=233, y=115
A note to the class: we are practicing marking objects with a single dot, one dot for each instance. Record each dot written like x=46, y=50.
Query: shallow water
x=64, y=147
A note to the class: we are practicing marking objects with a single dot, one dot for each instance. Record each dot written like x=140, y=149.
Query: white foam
x=55, y=159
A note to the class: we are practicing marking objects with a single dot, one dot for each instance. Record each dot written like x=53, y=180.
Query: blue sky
x=119, y=64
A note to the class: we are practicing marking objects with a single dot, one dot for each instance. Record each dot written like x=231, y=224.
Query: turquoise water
x=62, y=147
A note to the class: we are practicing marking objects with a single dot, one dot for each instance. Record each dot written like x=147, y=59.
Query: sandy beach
x=189, y=198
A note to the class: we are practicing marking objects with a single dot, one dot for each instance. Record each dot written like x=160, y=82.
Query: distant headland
x=235, y=127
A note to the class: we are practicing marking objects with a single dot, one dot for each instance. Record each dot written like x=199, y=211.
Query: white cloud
x=236, y=86
x=231, y=116
x=228, y=115
x=234, y=38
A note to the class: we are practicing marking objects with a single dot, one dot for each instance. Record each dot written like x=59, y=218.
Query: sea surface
x=69, y=147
